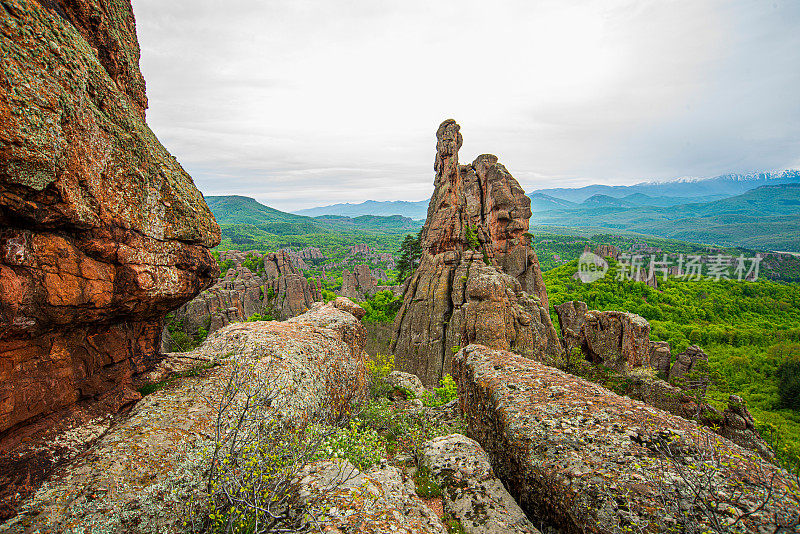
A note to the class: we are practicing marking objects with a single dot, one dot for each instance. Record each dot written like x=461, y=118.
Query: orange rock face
x=101, y=230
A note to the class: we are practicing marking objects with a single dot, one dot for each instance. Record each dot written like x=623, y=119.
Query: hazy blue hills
x=679, y=191
x=764, y=218
x=413, y=210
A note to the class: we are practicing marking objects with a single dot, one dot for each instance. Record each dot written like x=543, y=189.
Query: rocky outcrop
x=277, y=292
x=472, y=494
x=358, y=284
x=145, y=471
x=608, y=251
x=570, y=321
x=478, y=279
x=571, y=452
x=660, y=356
x=101, y=230
x=690, y=369
x=618, y=340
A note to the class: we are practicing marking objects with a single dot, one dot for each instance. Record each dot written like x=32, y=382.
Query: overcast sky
x=302, y=103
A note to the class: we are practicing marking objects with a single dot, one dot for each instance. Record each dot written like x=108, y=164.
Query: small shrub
x=427, y=487
x=444, y=394
x=378, y=369
x=362, y=446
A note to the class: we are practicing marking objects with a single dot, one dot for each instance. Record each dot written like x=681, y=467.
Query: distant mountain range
x=757, y=210
x=679, y=191
x=413, y=210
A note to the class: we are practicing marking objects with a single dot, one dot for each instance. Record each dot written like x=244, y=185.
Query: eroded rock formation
x=278, y=291
x=571, y=451
x=101, y=230
x=618, y=340
x=478, y=279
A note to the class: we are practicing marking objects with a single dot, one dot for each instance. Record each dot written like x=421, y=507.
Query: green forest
x=750, y=330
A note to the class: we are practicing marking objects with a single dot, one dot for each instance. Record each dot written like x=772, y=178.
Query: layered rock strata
x=571, y=451
x=145, y=471
x=478, y=279
x=101, y=230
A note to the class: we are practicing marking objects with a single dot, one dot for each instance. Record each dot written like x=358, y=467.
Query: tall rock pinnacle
x=479, y=280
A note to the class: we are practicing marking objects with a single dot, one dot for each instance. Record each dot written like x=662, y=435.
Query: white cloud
x=301, y=102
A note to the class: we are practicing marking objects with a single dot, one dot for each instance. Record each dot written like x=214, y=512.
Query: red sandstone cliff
x=101, y=230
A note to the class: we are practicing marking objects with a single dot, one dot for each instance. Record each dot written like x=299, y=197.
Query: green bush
x=427, y=487
x=444, y=394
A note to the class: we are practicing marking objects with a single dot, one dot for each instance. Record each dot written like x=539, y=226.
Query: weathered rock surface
x=690, y=369
x=378, y=501
x=571, y=451
x=570, y=321
x=358, y=284
x=101, y=230
x=406, y=381
x=478, y=279
x=142, y=474
x=278, y=291
x=471, y=492
x=660, y=356
x=608, y=251
x=618, y=340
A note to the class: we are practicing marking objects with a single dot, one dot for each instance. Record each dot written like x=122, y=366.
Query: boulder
x=472, y=494
x=478, y=279
x=349, y=306
x=618, y=340
x=101, y=230
x=144, y=472
x=571, y=451
x=378, y=501
x=406, y=381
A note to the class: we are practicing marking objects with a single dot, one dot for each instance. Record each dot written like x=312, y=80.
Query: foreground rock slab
x=143, y=474
x=584, y=459
x=472, y=494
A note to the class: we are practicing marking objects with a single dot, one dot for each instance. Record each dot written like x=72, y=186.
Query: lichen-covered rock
x=101, y=230
x=378, y=501
x=406, y=381
x=472, y=494
x=618, y=340
x=571, y=451
x=349, y=306
x=739, y=426
x=144, y=472
x=478, y=279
